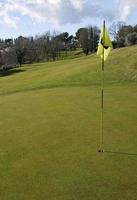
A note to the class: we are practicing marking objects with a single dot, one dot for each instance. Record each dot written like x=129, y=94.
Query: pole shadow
x=122, y=153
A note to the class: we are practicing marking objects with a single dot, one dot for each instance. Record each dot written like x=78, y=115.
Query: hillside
x=50, y=130
x=120, y=67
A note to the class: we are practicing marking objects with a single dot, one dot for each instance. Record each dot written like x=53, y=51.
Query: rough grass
x=50, y=129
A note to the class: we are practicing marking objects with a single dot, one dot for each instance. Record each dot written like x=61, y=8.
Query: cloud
x=126, y=7
x=10, y=22
x=5, y=18
x=57, y=12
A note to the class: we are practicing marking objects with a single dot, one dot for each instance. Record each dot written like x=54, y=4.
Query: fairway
x=50, y=130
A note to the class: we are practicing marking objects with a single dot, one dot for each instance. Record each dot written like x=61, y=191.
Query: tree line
x=51, y=47
x=124, y=35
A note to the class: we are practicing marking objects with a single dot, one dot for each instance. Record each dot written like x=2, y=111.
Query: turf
x=50, y=130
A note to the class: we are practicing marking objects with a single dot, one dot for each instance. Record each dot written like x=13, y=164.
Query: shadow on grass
x=122, y=153
x=11, y=72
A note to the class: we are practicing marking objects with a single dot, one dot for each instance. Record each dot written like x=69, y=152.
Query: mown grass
x=50, y=130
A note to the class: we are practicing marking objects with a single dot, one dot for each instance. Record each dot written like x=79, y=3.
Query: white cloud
x=60, y=12
x=11, y=22
x=56, y=12
x=78, y=4
x=126, y=7
x=5, y=18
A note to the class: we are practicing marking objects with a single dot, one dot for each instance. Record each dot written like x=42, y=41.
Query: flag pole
x=102, y=98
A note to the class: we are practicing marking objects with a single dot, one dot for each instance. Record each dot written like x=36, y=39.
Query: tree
x=82, y=36
x=64, y=39
x=1, y=60
x=131, y=39
x=135, y=28
x=114, y=29
x=8, y=58
x=9, y=42
x=88, y=38
x=93, y=38
x=20, y=47
x=121, y=32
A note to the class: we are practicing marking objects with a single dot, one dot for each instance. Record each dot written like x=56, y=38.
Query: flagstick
x=102, y=99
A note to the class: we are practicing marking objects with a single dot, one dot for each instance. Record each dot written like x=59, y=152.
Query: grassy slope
x=50, y=117
x=121, y=67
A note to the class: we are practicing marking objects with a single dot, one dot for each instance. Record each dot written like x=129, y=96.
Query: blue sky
x=32, y=17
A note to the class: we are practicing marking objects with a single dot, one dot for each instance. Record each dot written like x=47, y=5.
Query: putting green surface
x=50, y=130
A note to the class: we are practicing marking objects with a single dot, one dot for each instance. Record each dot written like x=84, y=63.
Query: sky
x=34, y=17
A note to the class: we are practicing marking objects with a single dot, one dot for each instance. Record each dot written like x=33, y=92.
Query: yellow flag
x=105, y=43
